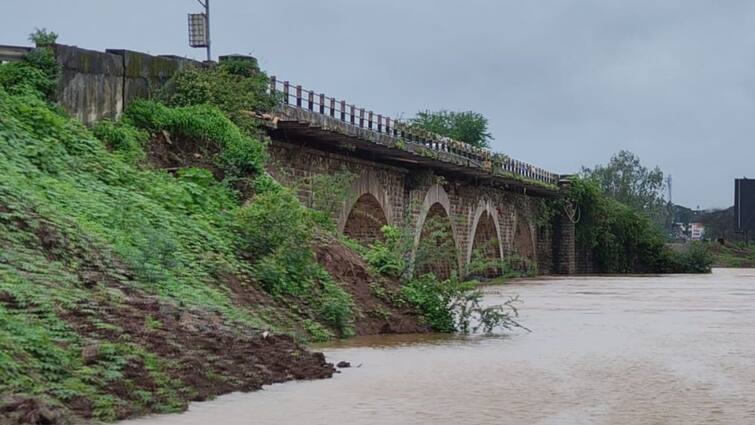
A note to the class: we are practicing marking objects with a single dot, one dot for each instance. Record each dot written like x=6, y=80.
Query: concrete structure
x=403, y=176
x=96, y=85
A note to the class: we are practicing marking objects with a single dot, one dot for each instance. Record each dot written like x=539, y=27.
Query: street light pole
x=206, y=5
x=207, y=16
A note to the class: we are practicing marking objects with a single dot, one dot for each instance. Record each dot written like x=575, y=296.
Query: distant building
x=696, y=231
x=688, y=231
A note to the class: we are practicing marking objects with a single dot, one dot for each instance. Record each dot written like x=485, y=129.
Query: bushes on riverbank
x=450, y=304
x=623, y=240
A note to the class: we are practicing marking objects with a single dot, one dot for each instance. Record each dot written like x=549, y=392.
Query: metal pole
x=207, y=17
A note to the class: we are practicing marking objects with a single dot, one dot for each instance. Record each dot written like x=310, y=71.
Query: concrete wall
x=91, y=83
x=96, y=85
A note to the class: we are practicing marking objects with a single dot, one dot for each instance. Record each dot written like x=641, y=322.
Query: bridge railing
x=350, y=114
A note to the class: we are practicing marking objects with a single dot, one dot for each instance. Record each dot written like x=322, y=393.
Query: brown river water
x=674, y=349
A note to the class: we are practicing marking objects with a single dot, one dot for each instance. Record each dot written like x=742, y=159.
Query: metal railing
x=318, y=103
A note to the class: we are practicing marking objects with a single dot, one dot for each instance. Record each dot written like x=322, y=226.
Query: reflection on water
x=604, y=350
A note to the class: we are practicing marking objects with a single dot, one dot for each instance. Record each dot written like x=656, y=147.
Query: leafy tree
x=468, y=127
x=43, y=38
x=626, y=180
x=721, y=224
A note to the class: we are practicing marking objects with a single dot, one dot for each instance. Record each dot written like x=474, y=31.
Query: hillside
x=129, y=287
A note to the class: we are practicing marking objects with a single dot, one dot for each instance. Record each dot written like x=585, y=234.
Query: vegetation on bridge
x=468, y=127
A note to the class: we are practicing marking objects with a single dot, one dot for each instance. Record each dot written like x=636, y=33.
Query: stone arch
x=365, y=220
x=485, y=230
x=367, y=184
x=524, y=242
x=437, y=205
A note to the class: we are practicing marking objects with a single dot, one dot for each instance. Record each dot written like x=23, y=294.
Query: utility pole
x=207, y=18
x=670, y=208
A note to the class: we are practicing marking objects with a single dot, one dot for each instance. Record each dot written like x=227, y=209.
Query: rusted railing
x=318, y=103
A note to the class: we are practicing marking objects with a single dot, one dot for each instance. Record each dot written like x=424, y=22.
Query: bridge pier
x=564, y=239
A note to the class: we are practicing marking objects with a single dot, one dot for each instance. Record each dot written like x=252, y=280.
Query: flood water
x=676, y=349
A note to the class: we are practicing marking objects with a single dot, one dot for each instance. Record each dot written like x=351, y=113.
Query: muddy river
x=603, y=350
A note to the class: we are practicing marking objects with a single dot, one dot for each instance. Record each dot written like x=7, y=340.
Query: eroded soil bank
x=194, y=354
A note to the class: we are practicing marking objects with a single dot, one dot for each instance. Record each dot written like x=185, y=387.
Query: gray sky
x=563, y=83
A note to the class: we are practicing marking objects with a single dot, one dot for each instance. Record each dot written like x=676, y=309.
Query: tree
x=468, y=127
x=626, y=180
x=43, y=38
x=721, y=224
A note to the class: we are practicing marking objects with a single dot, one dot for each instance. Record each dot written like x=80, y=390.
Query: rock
x=90, y=353
x=343, y=364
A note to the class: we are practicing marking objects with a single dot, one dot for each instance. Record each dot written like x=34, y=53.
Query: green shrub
x=289, y=270
x=236, y=87
x=387, y=256
x=625, y=240
x=329, y=192
x=122, y=138
x=336, y=305
x=452, y=305
x=694, y=258
x=265, y=183
x=433, y=298
x=698, y=258
x=23, y=77
x=239, y=155
x=316, y=331
x=43, y=38
x=273, y=220
x=37, y=73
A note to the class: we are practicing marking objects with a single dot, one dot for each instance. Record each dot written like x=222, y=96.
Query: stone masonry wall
x=406, y=196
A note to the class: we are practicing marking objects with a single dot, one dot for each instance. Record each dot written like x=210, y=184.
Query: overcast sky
x=563, y=83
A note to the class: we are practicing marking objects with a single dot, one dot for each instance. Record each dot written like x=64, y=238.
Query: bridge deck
x=336, y=123
x=301, y=126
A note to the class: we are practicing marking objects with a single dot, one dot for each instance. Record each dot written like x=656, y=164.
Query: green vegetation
x=485, y=264
x=624, y=240
x=468, y=127
x=237, y=87
x=730, y=254
x=235, y=153
x=387, y=256
x=36, y=75
x=43, y=38
x=627, y=181
x=92, y=229
x=446, y=304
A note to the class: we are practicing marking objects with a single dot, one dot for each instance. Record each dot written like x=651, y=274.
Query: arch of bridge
x=436, y=195
x=367, y=183
x=483, y=207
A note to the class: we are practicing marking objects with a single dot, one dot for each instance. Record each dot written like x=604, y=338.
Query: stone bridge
x=400, y=176
x=488, y=202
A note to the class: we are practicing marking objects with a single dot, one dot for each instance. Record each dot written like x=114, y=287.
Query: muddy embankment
x=206, y=353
